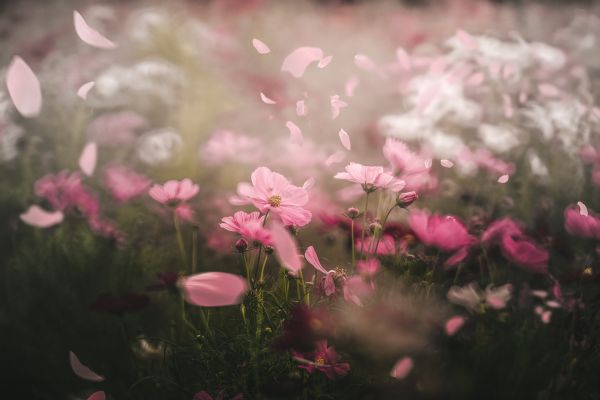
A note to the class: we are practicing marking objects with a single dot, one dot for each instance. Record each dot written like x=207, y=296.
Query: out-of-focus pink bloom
x=371, y=178
x=254, y=231
x=589, y=154
x=402, y=159
x=214, y=289
x=386, y=246
x=581, y=225
x=272, y=192
x=124, y=183
x=405, y=199
x=596, y=176
x=324, y=359
x=357, y=290
x=227, y=146
x=497, y=297
x=454, y=324
x=238, y=220
x=286, y=250
x=116, y=129
x=174, y=192
x=447, y=233
x=470, y=296
x=368, y=268
x=185, y=212
x=402, y=368
x=499, y=228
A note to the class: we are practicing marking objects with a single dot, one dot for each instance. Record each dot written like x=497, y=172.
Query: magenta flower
x=368, y=268
x=516, y=246
x=124, y=183
x=272, y=192
x=581, y=225
x=447, y=233
x=386, y=246
x=174, y=192
x=239, y=220
x=371, y=178
x=324, y=359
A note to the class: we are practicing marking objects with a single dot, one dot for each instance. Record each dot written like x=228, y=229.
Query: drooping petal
x=402, y=368
x=266, y=99
x=36, y=216
x=89, y=35
x=345, y=139
x=311, y=256
x=285, y=248
x=87, y=160
x=85, y=89
x=23, y=88
x=260, y=46
x=295, y=133
x=214, y=289
x=83, y=371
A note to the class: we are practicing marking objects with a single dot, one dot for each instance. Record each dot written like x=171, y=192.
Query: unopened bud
x=406, y=199
x=375, y=227
x=241, y=245
x=269, y=250
x=353, y=212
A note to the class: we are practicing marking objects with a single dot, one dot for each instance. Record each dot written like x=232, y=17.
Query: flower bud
x=406, y=199
x=268, y=250
x=353, y=212
x=375, y=227
x=241, y=245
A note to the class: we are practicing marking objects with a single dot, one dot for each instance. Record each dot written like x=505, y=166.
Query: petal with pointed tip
x=89, y=35
x=23, y=88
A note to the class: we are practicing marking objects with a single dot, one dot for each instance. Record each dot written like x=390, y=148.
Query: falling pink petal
x=548, y=90
x=265, y=99
x=428, y=163
x=99, y=395
x=23, y=88
x=403, y=59
x=546, y=315
x=87, y=160
x=82, y=371
x=36, y=216
x=300, y=108
x=476, y=79
x=522, y=97
x=85, y=89
x=313, y=259
x=426, y=97
x=260, y=46
x=446, y=163
x=582, y=208
x=285, y=248
x=324, y=62
x=364, y=62
x=402, y=368
x=335, y=158
x=454, y=324
x=345, y=139
x=336, y=105
x=466, y=40
x=89, y=35
x=503, y=179
x=309, y=183
x=508, y=107
x=298, y=60
x=351, y=85
x=295, y=133
x=214, y=289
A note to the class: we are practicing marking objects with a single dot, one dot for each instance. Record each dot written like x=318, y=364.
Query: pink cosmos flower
x=324, y=359
x=328, y=282
x=272, y=192
x=124, y=183
x=371, y=178
x=356, y=290
x=410, y=166
x=581, y=225
x=174, y=192
x=239, y=220
x=516, y=246
x=447, y=233
x=386, y=246
x=227, y=146
x=470, y=296
x=368, y=268
x=254, y=231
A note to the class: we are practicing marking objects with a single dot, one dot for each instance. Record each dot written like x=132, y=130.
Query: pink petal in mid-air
x=214, y=289
x=24, y=88
x=345, y=139
x=265, y=99
x=336, y=105
x=335, y=158
x=85, y=89
x=363, y=61
x=351, y=85
x=324, y=62
x=37, y=216
x=503, y=179
x=260, y=46
x=402, y=368
x=454, y=324
x=285, y=248
x=582, y=208
x=446, y=163
x=295, y=133
x=89, y=35
x=298, y=60
x=83, y=371
x=87, y=160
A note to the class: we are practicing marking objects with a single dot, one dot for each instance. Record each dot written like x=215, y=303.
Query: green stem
x=194, y=250
x=364, y=223
x=382, y=227
x=353, y=244
x=179, y=240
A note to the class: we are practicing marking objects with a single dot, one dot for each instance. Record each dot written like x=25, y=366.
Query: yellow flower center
x=275, y=201
x=320, y=361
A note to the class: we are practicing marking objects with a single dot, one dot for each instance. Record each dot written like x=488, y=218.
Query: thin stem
x=179, y=240
x=382, y=227
x=194, y=250
x=353, y=244
x=364, y=223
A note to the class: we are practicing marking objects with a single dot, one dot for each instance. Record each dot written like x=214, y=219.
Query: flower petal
x=36, y=216
x=89, y=35
x=260, y=46
x=82, y=371
x=23, y=88
x=402, y=368
x=84, y=89
x=345, y=139
x=285, y=248
x=214, y=289
x=87, y=160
